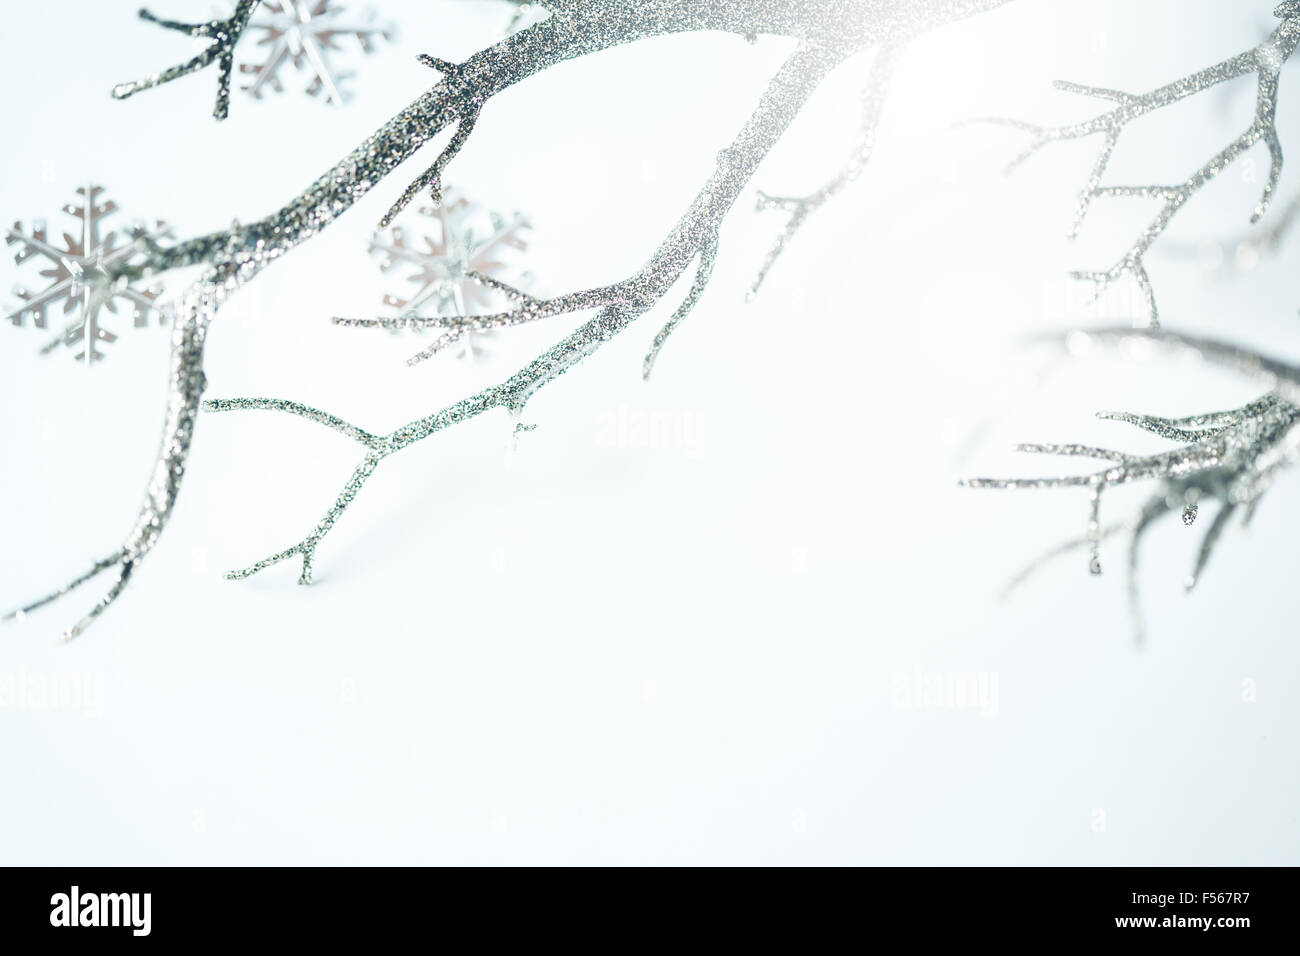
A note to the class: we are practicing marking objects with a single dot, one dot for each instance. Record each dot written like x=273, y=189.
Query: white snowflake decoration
x=468, y=239
x=305, y=33
x=72, y=269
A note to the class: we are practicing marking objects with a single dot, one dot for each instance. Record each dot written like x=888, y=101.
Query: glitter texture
x=1265, y=61
x=456, y=271
x=798, y=208
x=224, y=34
x=1231, y=456
x=826, y=33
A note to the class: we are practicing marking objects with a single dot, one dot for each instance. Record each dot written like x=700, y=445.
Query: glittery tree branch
x=619, y=305
x=708, y=256
x=1265, y=61
x=432, y=177
x=117, y=560
x=1232, y=456
x=192, y=313
x=224, y=34
x=530, y=309
x=826, y=35
x=799, y=208
x=372, y=442
x=510, y=395
x=527, y=309
x=522, y=10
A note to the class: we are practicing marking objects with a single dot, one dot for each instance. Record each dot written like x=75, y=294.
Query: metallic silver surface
x=224, y=34
x=826, y=34
x=304, y=34
x=456, y=265
x=1265, y=61
x=75, y=271
x=1230, y=456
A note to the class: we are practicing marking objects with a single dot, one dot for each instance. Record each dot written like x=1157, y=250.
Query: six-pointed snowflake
x=468, y=238
x=73, y=270
x=305, y=32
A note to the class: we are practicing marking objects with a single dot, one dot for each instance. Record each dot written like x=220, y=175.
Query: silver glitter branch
x=376, y=448
x=527, y=309
x=432, y=177
x=224, y=34
x=826, y=35
x=708, y=256
x=1265, y=61
x=628, y=293
x=1231, y=456
x=619, y=305
x=192, y=313
x=798, y=208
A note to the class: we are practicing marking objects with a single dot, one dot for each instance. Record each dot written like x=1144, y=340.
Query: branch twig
x=1232, y=456
x=799, y=208
x=827, y=34
x=1265, y=61
x=224, y=34
x=619, y=305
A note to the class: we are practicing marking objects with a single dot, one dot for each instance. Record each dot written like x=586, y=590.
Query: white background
x=695, y=649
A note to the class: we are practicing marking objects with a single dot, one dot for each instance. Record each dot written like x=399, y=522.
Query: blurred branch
x=1232, y=456
x=1265, y=61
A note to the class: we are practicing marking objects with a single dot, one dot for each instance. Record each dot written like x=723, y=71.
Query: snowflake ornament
x=73, y=269
x=305, y=33
x=446, y=268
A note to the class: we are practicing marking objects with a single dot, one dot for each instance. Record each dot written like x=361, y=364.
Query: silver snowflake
x=75, y=270
x=824, y=36
x=447, y=269
x=306, y=32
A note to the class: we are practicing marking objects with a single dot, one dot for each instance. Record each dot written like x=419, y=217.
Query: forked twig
x=1265, y=61
x=825, y=34
x=1232, y=456
x=224, y=34
x=799, y=208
